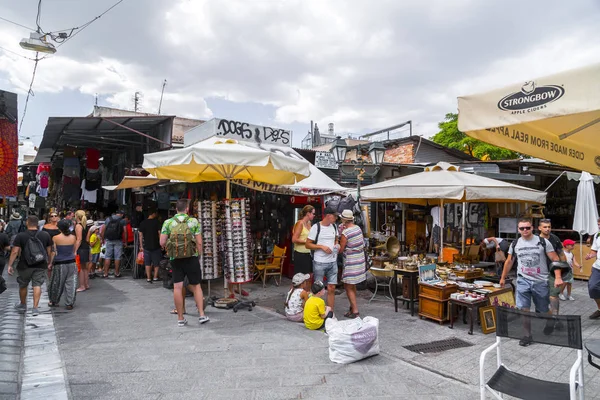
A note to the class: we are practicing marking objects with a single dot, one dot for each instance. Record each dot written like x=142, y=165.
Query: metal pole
x=404, y=227
x=441, y=255
x=464, y=212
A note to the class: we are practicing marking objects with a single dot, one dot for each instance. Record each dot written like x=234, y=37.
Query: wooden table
x=471, y=306
x=412, y=276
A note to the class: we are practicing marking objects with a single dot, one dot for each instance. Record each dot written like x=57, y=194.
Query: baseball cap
x=329, y=210
x=568, y=242
x=299, y=278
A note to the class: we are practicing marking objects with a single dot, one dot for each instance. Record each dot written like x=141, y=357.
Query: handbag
x=499, y=256
x=140, y=258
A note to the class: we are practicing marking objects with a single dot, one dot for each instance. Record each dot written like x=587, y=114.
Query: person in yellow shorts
x=315, y=311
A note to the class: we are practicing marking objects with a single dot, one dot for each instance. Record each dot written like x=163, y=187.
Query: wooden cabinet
x=433, y=301
x=414, y=229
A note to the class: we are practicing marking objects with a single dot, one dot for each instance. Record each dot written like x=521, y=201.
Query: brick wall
x=403, y=154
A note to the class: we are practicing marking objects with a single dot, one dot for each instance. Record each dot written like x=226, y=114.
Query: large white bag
x=352, y=340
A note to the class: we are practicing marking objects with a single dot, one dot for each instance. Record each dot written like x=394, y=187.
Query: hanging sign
x=324, y=159
x=304, y=199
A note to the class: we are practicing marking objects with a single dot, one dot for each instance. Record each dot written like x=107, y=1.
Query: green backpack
x=181, y=242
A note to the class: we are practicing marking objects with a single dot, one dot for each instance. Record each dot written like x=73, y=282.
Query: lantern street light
x=358, y=168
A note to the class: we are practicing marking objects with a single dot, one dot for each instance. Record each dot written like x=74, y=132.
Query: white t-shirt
x=596, y=247
x=531, y=259
x=90, y=195
x=490, y=245
x=326, y=238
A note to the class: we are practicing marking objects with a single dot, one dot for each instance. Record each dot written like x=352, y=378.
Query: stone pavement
x=11, y=341
x=121, y=342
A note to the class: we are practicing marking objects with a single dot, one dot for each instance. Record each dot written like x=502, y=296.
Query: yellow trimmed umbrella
x=556, y=118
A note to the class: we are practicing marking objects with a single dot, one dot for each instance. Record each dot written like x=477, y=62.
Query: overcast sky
x=363, y=65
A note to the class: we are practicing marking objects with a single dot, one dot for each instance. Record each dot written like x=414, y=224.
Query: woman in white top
x=296, y=297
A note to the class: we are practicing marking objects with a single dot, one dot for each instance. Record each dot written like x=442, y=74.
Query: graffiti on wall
x=260, y=134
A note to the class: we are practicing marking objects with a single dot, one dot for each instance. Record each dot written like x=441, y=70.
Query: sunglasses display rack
x=211, y=224
x=237, y=240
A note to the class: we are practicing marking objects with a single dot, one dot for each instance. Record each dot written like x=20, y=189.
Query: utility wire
x=17, y=24
x=17, y=54
x=30, y=91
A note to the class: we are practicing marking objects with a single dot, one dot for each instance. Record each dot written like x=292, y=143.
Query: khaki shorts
x=555, y=291
x=37, y=277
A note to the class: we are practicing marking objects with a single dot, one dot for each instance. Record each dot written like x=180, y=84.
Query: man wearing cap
x=323, y=239
x=594, y=282
x=113, y=231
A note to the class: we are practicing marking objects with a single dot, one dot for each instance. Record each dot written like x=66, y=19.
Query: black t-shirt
x=21, y=240
x=150, y=228
x=4, y=242
x=556, y=243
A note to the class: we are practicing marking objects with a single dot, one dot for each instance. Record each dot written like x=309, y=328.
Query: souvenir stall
x=441, y=184
x=217, y=159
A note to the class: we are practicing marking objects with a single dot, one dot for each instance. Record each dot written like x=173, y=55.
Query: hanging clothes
x=90, y=195
x=92, y=158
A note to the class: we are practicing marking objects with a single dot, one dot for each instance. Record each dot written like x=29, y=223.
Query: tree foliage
x=451, y=137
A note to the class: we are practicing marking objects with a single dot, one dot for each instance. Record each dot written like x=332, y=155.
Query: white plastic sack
x=352, y=340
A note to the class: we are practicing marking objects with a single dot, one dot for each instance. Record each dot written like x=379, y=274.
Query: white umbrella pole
x=441, y=255
x=464, y=212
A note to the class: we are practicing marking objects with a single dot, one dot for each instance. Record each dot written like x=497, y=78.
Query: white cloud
x=361, y=65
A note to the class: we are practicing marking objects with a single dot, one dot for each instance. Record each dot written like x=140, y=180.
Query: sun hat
x=15, y=215
x=347, y=215
x=299, y=278
x=568, y=242
x=89, y=222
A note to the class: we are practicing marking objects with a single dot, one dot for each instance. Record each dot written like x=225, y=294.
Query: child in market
x=568, y=246
x=95, y=246
x=297, y=297
x=315, y=311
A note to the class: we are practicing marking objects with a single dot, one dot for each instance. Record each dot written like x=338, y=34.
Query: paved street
x=121, y=342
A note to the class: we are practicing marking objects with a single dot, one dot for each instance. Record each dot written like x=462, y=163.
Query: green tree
x=451, y=137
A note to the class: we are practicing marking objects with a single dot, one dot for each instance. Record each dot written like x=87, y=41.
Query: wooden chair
x=270, y=265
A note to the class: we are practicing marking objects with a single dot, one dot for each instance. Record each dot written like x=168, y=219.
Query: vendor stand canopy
x=445, y=183
x=217, y=159
x=556, y=118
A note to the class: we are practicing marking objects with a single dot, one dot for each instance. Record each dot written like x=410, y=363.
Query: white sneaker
x=203, y=319
x=571, y=298
x=562, y=297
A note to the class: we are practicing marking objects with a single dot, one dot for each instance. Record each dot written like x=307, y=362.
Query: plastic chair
x=270, y=265
x=544, y=329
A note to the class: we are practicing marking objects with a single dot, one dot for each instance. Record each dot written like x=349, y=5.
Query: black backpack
x=541, y=242
x=34, y=252
x=113, y=229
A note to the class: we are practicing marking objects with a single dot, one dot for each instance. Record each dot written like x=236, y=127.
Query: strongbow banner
x=556, y=118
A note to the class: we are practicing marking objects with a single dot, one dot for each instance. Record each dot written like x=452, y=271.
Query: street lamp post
x=359, y=168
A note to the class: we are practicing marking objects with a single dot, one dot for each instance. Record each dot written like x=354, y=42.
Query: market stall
x=218, y=159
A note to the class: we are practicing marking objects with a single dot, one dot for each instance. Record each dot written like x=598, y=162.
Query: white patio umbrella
x=318, y=183
x=444, y=183
x=585, y=220
x=217, y=159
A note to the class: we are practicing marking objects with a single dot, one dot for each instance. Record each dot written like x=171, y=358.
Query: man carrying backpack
x=532, y=273
x=180, y=236
x=35, y=250
x=323, y=239
x=113, y=232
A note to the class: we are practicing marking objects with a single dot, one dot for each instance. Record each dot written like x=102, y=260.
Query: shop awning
x=556, y=118
x=105, y=134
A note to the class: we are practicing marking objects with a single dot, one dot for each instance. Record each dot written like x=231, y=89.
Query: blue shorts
x=95, y=258
x=328, y=270
x=114, y=250
x=539, y=291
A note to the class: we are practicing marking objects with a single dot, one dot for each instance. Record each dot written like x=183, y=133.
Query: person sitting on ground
x=315, y=311
x=296, y=297
x=568, y=246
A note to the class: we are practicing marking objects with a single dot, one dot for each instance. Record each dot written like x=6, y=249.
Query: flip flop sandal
x=351, y=315
x=174, y=312
x=69, y=307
